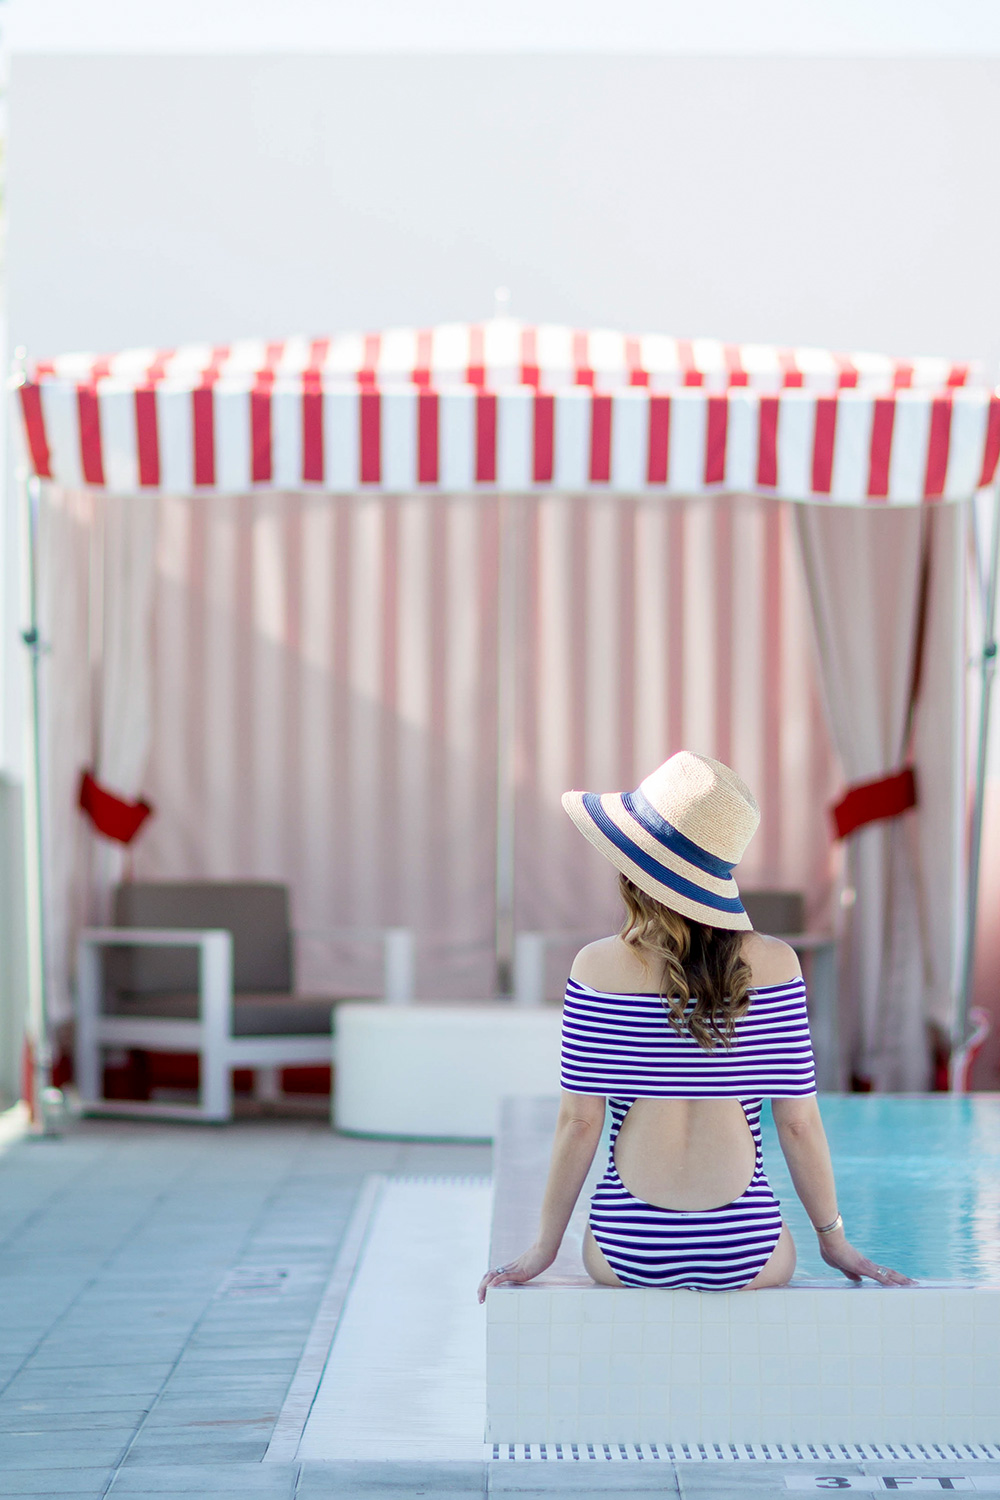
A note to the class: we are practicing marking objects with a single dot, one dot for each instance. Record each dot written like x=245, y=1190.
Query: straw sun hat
x=678, y=836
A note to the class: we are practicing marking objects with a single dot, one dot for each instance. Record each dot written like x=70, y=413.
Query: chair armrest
x=530, y=951
x=151, y=937
x=215, y=968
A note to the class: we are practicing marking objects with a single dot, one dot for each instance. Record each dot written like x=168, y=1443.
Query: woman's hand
x=837, y=1251
x=516, y=1272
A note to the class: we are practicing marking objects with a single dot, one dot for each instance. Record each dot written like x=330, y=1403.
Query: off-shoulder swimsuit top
x=622, y=1046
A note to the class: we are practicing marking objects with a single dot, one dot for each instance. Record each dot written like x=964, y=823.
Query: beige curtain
x=322, y=704
x=324, y=711
x=96, y=590
x=651, y=626
x=903, y=884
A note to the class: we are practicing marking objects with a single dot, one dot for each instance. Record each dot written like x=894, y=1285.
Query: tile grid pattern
x=852, y=1363
x=157, y=1288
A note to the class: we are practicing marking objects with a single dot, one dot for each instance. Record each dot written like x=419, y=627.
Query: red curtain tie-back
x=871, y=801
x=111, y=815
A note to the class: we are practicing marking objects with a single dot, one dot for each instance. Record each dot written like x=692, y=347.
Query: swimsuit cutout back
x=623, y=1047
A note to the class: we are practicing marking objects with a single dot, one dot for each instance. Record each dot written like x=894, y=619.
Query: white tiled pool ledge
x=817, y=1362
x=802, y=1364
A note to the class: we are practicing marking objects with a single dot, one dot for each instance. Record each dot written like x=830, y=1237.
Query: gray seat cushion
x=781, y=913
x=254, y=911
x=265, y=1014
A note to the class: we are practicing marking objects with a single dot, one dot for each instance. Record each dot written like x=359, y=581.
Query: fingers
x=885, y=1276
x=501, y=1276
x=492, y=1278
x=856, y=1266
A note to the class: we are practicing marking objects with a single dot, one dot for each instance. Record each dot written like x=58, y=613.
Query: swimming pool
x=918, y=1180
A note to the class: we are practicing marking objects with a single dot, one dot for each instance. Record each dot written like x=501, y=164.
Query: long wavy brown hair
x=702, y=962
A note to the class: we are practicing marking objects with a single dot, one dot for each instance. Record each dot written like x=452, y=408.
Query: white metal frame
x=211, y=1036
x=969, y=1029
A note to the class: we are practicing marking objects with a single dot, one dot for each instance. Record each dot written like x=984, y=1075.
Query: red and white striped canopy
x=506, y=406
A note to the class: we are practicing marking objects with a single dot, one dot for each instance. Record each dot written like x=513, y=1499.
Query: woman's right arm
x=803, y=1141
x=578, y=1132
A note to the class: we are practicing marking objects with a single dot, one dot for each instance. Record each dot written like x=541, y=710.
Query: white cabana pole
x=965, y=1032
x=506, y=700
x=38, y=1042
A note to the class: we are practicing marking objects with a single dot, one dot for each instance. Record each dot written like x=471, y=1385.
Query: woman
x=684, y=1023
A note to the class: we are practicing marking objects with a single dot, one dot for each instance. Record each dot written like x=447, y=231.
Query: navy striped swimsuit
x=624, y=1048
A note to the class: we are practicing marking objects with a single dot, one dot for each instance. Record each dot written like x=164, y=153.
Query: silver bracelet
x=837, y=1223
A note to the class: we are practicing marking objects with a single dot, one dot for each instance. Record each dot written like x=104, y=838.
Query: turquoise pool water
x=918, y=1179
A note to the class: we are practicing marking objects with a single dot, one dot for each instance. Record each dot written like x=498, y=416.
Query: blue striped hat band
x=672, y=839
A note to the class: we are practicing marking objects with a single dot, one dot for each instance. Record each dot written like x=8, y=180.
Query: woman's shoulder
x=612, y=967
x=771, y=961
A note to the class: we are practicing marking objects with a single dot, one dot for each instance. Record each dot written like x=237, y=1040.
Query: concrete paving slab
x=18, y=1323
x=81, y=1484
x=261, y=1350
x=577, y=1485
x=246, y=1422
x=63, y=1450
x=127, y=1419
x=229, y=1343
x=89, y=1356
x=373, y=1479
x=136, y=1380
x=223, y=1403
x=270, y=1482
x=96, y=1492
x=17, y=1342
x=83, y=1402
x=258, y=1363
x=178, y=1445
x=223, y=1376
x=311, y=1489
x=205, y=1383
x=528, y=1481
x=207, y=1489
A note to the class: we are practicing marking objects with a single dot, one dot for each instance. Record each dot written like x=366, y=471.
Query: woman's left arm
x=578, y=1130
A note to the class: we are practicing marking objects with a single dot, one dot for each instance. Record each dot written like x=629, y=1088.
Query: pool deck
x=158, y=1286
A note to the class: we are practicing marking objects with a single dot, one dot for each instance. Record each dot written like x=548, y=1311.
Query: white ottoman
x=439, y=1070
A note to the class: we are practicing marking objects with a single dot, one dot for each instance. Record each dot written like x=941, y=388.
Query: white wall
x=164, y=198
x=839, y=28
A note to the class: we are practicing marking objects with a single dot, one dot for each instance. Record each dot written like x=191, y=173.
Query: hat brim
x=605, y=821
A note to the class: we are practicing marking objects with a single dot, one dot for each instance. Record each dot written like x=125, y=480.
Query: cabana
x=353, y=610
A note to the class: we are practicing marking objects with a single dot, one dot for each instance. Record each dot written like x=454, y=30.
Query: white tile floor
x=406, y=1376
